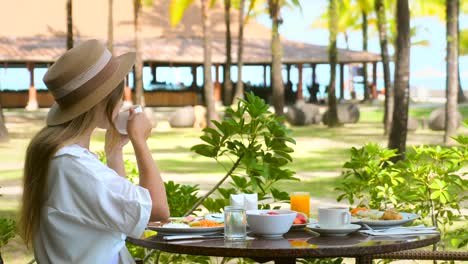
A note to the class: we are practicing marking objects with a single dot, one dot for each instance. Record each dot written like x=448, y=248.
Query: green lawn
x=319, y=154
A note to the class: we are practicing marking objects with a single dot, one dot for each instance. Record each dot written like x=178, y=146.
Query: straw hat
x=83, y=77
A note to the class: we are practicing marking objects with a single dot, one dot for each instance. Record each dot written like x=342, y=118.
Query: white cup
x=122, y=119
x=333, y=217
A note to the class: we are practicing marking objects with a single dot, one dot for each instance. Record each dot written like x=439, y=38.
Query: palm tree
x=240, y=45
x=347, y=19
x=398, y=132
x=110, y=26
x=461, y=41
x=138, y=68
x=382, y=27
x=452, y=70
x=227, y=68
x=333, y=56
x=274, y=7
x=69, y=24
x=208, y=82
x=177, y=9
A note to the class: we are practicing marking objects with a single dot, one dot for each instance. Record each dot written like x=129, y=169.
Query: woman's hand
x=138, y=127
x=114, y=142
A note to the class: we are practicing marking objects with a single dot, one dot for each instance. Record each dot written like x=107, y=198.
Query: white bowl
x=270, y=226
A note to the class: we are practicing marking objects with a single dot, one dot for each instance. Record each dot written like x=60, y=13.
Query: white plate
x=342, y=231
x=302, y=226
x=186, y=230
x=407, y=218
x=215, y=217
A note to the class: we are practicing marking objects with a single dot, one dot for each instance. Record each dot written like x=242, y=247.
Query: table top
x=294, y=244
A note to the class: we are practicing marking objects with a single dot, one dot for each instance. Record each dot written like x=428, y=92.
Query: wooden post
x=153, y=72
x=314, y=74
x=127, y=93
x=288, y=73
x=32, y=92
x=265, y=76
x=299, y=95
x=341, y=81
x=217, y=91
x=194, y=77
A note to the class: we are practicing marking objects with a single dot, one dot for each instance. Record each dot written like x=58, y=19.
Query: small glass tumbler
x=235, y=223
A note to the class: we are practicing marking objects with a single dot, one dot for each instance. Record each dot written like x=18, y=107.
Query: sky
x=427, y=64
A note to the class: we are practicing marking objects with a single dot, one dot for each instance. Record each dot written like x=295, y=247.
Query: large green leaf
x=177, y=9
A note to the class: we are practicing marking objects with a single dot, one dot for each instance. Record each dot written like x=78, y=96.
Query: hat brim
x=58, y=115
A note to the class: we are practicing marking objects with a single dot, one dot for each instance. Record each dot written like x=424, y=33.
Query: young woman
x=76, y=209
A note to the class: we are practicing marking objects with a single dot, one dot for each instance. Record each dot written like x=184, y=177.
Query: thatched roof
x=27, y=34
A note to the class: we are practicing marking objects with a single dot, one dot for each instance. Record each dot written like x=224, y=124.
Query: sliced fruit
x=272, y=213
x=301, y=218
x=357, y=209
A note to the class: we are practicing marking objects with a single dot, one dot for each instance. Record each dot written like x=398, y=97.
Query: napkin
x=248, y=201
x=401, y=231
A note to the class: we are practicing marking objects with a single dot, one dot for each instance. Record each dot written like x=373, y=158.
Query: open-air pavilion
x=36, y=40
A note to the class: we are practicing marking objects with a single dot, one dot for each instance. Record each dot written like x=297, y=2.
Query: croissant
x=391, y=215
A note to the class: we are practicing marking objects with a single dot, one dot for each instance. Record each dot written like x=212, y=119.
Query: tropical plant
x=256, y=143
x=332, y=117
x=382, y=28
x=399, y=129
x=7, y=232
x=68, y=8
x=429, y=182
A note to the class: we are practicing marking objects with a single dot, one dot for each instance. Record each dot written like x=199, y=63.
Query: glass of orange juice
x=300, y=202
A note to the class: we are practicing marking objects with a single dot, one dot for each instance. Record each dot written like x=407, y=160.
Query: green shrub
x=428, y=182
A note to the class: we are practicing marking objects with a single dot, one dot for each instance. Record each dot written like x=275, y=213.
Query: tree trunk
x=364, y=48
x=452, y=71
x=398, y=132
x=69, y=25
x=276, y=67
x=333, y=56
x=110, y=26
x=207, y=81
x=3, y=130
x=240, y=51
x=227, y=96
x=382, y=26
x=138, y=68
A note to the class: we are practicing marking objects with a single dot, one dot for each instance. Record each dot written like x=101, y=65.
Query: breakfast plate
x=407, y=218
x=179, y=225
x=335, y=231
x=186, y=230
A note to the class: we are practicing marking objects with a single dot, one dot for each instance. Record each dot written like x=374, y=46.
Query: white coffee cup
x=122, y=119
x=333, y=217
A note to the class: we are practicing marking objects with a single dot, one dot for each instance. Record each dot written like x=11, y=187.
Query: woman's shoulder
x=73, y=159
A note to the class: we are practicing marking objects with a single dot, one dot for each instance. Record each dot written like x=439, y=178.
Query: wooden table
x=295, y=244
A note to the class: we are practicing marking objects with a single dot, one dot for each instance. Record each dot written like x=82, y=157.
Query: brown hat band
x=88, y=87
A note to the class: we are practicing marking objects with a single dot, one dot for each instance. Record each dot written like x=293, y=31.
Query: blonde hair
x=40, y=152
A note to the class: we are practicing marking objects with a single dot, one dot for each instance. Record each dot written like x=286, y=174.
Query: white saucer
x=335, y=231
